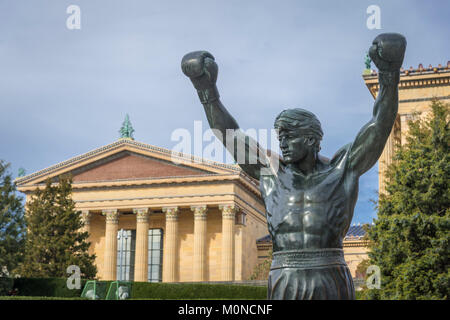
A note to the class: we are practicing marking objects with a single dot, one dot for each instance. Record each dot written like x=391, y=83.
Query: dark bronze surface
x=309, y=199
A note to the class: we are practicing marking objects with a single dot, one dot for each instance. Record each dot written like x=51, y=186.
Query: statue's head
x=299, y=133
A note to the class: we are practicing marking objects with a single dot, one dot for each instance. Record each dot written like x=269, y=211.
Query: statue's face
x=294, y=146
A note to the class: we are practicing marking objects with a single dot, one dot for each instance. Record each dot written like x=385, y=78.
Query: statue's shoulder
x=338, y=156
x=341, y=155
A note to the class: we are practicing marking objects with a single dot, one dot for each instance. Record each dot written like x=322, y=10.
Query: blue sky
x=65, y=92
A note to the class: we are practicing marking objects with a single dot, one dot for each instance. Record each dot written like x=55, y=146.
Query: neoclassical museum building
x=154, y=219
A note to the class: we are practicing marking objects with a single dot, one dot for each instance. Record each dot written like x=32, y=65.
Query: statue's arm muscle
x=249, y=155
x=371, y=139
x=201, y=68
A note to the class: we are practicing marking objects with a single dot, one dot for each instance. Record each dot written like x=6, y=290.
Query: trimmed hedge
x=46, y=287
x=41, y=288
x=6, y=284
x=143, y=290
x=57, y=287
x=38, y=298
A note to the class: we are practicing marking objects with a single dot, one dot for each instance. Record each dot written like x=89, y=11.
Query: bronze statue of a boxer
x=309, y=199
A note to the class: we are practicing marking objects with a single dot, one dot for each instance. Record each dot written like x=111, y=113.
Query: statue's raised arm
x=387, y=52
x=201, y=68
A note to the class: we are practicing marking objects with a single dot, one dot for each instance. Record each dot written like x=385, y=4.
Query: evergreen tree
x=410, y=238
x=54, y=239
x=11, y=223
x=361, y=268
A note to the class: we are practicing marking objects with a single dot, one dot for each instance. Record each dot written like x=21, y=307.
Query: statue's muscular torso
x=314, y=211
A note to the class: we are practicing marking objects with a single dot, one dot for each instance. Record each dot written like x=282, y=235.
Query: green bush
x=57, y=287
x=46, y=287
x=370, y=294
x=38, y=298
x=143, y=290
x=6, y=284
x=43, y=288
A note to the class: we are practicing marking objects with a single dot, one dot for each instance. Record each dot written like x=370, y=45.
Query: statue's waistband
x=307, y=258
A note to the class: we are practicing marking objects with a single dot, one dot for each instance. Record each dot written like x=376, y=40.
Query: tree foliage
x=361, y=268
x=11, y=223
x=54, y=239
x=410, y=238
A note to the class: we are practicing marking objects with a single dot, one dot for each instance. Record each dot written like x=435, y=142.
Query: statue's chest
x=297, y=201
x=300, y=191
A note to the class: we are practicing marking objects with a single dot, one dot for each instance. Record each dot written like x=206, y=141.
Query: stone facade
x=355, y=251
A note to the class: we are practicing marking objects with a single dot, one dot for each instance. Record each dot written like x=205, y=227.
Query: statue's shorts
x=310, y=274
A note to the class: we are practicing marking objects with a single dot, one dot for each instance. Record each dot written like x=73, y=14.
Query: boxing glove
x=387, y=51
x=201, y=68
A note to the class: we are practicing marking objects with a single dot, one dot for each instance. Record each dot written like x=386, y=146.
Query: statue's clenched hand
x=200, y=67
x=387, y=51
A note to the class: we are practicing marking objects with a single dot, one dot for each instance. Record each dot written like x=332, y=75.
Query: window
x=155, y=254
x=126, y=246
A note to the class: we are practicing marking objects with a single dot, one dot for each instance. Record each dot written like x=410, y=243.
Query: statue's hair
x=301, y=121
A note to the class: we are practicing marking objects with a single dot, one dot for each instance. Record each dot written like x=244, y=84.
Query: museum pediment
x=129, y=165
x=127, y=159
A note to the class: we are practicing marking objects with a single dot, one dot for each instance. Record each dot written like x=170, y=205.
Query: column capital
x=171, y=213
x=228, y=210
x=112, y=215
x=86, y=217
x=141, y=214
x=199, y=212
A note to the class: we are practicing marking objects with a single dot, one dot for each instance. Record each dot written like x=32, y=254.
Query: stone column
x=387, y=155
x=404, y=125
x=228, y=221
x=170, y=258
x=141, y=260
x=384, y=161
x=112, y=225
x=199, y=243
x=238, y=251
